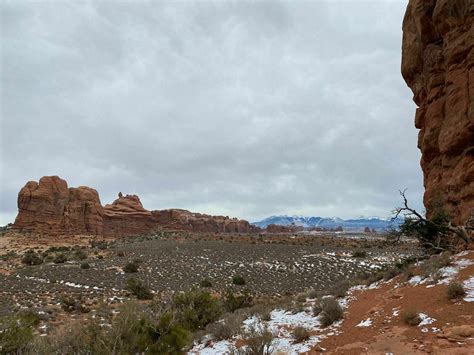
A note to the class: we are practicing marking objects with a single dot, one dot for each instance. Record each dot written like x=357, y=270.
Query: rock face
x=50, y=207
x=176, y=219
x=438, y=66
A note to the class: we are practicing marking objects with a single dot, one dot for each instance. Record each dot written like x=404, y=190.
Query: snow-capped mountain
x=358, y=223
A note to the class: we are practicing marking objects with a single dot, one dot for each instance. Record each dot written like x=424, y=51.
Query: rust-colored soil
x=452, y=332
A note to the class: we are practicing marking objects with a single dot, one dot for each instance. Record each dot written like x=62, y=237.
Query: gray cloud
x=239, y=108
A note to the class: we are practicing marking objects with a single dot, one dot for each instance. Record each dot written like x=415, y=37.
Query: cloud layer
x=237, y=108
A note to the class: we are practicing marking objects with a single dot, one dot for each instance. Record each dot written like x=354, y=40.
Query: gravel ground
x=169, y=265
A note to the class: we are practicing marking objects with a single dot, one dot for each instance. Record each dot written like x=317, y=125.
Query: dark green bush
x=16, y=333
x=130, y=268
x=85, y=266
x=80, y=254
x=139, y=289
x=233, y=301
x=238, y=280
x=71, y=304
x=60, y=259
x=196, y=308
x=205, y=283
x=359, y=254
x=31, y=258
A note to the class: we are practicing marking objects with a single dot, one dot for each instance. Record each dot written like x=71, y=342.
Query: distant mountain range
x=358, y=223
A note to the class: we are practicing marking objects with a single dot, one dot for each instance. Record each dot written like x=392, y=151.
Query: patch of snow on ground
x=365, y=323
x=449, y=272
x=469, y=288
x=416, y=280
x=425, y=320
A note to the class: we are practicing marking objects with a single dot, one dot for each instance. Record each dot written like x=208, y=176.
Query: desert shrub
x=131, y=267
x=196, y=308
x=16, y=334
x=100, y=256
x=411, y=317
x=60, y=258
x=226, y=328
x=430, y=266
x=31, y=258
x=408, y=273
x=340, y=289
x=359, y=254
x=85, y=266
x=205, y=283
x=301, y=297
x=262, y=311
x=101, y=245
x=71, y=304
x=233, y=301
x=390, y=273
x=377, y=276
x=139, y=289
x=238, y=280
x=312, y=294
x=317, y=308
x=173, y=336
x=133, y=330
x=80, y=254
x=455, y=290
x=300, y=334
x=120, y=254
x=331, y=311
x=259, y=340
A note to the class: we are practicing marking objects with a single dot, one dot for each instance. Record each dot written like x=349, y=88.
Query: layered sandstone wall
x=438, y=66
x=50, y=207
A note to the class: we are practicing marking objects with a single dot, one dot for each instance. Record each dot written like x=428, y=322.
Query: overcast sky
x=246, y=109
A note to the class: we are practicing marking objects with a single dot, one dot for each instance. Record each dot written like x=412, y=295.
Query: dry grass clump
x=331, y=311
x=300, y=334
x=411, y=317
x=455, y=290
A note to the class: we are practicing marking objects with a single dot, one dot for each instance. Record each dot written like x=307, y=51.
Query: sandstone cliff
x=438, y=66
x=50, y=207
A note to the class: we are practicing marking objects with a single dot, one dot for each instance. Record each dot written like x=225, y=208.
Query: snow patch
x=425, y=320
x=469, y=288
x=365, y=323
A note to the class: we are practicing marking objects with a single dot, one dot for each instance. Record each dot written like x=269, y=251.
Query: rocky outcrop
x=438, y=66
x=50, y=207
x=177, y=219
x=276, y=228
x=126, y=216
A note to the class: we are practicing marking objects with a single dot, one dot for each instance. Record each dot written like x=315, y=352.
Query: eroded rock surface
x=50, y=207
x=438, y=66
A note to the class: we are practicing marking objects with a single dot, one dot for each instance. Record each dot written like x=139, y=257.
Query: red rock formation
x=438, y=66
x=177, y=219
x=126, y=216
x=276, y=228
x=50, y=207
